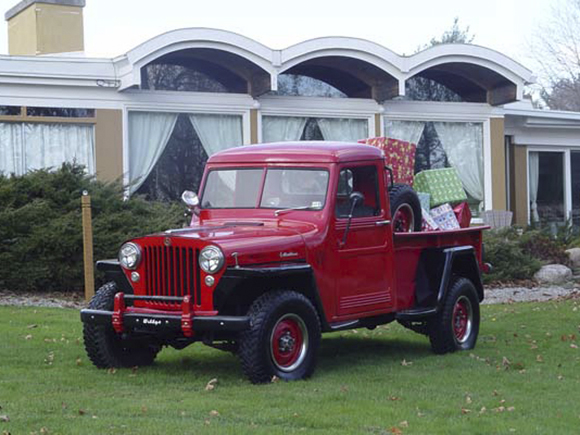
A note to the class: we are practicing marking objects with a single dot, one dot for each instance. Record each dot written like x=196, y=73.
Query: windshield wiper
x=286, y=210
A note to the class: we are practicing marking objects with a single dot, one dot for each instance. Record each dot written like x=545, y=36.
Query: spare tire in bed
x=405, y=208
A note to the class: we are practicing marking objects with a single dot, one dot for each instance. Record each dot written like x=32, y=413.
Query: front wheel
x=105, y=348
x=283, y=338
x=456, y=326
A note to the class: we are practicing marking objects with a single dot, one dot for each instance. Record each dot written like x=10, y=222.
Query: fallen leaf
x=495, y=393
x=214, y=413
x=539, y=359
x=465, y=411
x=344, y=388
x=502, y=401
x=211, y=384
x=79, y=361
x=482, y=410
x=4, y=418
x=95, y=417
x=396, y=430
x=468, y=400
x=393, y=398
x=564, y=337
x=112, y=371
x=511, y=408
x=560, y=377
x=574, y=346
x=82, y=412
x=274, y=379
x=207, y=422
x=404, y=423
x=406, y=363
x=143, y=409
x=44, y=430
x=28, y=337
x=500, y=409
x=32, y=326
x=505, y=363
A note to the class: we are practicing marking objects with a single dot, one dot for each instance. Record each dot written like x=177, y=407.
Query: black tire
x=403, y=198
x=105, y=348
x=456, y=326
x=262, y=355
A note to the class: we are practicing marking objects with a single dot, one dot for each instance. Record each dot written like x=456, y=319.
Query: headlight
x=211, y=259
x=130, y=256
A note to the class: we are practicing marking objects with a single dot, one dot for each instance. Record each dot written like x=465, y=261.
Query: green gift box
x=443, y=185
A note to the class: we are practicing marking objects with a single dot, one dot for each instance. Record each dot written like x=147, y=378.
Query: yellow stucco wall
x=46, y=28
x=498, y=164
x=22, y=33
x=519, y=181
x=109, y=144
x=253, y=126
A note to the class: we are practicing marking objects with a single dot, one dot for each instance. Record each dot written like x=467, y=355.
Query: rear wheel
x=105, y=348
x=456, y=326
x=283, y=338
x=405, y=208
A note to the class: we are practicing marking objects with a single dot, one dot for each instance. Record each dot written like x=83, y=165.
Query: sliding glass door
x=547, y=203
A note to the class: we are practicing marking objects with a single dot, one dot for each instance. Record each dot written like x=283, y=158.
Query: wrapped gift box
x=428, y=223
x=443, y=185
x=425, y=200
x=399, y=155
x=444, y=217
x=463, y=214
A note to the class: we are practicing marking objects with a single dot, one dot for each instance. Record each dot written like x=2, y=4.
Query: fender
x=113, y=272
x=434, y=274
x=247, y=283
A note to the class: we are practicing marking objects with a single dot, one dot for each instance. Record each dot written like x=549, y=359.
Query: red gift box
x=399, y=155
x=463, y=214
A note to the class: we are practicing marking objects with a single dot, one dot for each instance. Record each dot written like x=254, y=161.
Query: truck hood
x=254, y=243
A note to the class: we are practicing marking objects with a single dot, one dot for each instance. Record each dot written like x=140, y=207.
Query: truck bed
x=408, y=248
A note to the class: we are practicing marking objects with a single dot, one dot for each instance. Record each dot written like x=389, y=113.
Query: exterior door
x=365, y=277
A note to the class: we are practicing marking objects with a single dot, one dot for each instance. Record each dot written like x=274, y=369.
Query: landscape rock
x=574, y=255
x=553, y=274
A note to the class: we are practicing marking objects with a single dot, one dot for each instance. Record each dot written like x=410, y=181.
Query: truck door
x=364, y=279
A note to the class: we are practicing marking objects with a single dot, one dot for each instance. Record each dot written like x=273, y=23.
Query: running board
x=416, y=313
x=365, y=322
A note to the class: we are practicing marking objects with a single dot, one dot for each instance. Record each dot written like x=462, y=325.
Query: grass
x=523, y=377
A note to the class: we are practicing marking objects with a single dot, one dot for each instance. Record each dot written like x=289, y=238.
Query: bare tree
x=555, y=49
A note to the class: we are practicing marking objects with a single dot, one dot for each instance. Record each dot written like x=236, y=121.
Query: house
x=152, y=116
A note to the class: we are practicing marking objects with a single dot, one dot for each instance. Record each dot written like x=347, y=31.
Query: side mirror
x=190, y=199
x=354, y=199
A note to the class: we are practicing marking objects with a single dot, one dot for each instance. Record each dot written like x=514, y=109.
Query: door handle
x=381, y=223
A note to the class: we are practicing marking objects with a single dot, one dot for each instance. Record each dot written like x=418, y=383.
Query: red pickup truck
x=287, y=241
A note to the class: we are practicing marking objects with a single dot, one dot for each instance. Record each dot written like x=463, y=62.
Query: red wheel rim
x=462, y=319
x=404, y=219
x=288, y=342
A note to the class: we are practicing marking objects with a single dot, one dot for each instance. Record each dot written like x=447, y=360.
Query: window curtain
x=11, y=149
x=344, y=130
x=218, y=133
x=534, y=171
x=49, y=145
x=29, y=146
x=408, y=131
x=282, y=128
x=463, y=143
x=148, y=136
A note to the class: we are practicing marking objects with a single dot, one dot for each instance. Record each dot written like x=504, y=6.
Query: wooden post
x=88, y=246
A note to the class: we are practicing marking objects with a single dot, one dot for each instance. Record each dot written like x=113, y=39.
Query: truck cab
x=287, y=241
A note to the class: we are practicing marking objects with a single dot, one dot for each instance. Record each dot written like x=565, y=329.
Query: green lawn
x=523, y=377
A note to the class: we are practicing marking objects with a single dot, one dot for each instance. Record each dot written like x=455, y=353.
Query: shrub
x=541, y=245
x=510, y=261
x=41, y=229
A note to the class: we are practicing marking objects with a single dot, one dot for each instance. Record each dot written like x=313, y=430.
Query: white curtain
x=11, y=149
x=282, y=128
x=148, y=135
x=218, y=133
x=463, y=144
x=408, y=131
x=534, y=169
x=29, y=146
x=49, y=145
x=344, y=130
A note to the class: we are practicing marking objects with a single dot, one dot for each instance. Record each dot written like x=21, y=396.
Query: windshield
x=283, y=188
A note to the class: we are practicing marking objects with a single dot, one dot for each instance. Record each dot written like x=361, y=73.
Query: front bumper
x=124, y=318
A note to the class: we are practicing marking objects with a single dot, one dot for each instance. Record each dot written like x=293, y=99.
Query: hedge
x=41, y=229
